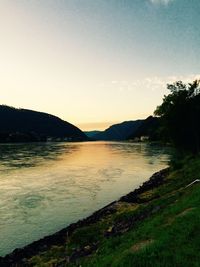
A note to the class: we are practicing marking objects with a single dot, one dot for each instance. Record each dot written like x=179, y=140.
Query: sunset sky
x=96, y=62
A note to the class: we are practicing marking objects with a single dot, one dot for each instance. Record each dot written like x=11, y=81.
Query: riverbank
x=147, y=227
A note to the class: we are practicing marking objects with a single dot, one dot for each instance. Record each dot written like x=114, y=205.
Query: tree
x=180, y=115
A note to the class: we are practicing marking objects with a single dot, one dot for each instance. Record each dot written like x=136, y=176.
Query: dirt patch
x=169, y=222
x=181, y=214
x=141, y=245
x=185, y=212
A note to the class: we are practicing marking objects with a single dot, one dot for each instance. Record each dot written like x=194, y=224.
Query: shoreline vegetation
x=140, y=227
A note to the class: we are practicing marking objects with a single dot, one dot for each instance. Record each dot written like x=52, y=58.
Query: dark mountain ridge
x=23, y=124
x=91, y=134
x=119, y=131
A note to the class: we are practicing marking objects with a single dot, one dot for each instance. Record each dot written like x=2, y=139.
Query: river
x=46, y=186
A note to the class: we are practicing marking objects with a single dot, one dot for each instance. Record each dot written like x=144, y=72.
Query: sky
x=96, y=62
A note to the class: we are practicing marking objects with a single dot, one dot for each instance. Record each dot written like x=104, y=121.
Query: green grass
x=169, y=237
x=174, y=234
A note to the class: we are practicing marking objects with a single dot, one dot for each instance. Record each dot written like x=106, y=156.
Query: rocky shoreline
x=20, y=256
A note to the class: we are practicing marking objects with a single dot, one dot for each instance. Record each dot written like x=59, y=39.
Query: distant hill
x=28, y=125
x=119, y=131
x=91, y=134
x=149, y=127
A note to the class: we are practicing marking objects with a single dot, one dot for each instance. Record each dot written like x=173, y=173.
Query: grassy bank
x=157, y=225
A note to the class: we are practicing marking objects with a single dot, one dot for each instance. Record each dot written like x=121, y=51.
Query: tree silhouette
x=180, y=115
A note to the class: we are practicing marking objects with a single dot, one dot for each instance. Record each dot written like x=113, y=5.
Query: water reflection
x=44, y=187
x=23, y=155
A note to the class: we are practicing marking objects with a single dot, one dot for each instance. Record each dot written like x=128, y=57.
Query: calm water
x=45, y=187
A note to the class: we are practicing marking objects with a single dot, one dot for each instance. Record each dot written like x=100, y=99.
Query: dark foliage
x=150, y=127
x=180, y=116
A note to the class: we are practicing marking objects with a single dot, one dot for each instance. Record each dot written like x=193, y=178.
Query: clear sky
x=96, y=62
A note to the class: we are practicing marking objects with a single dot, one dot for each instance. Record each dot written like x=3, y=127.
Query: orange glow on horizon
x=91, y=126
